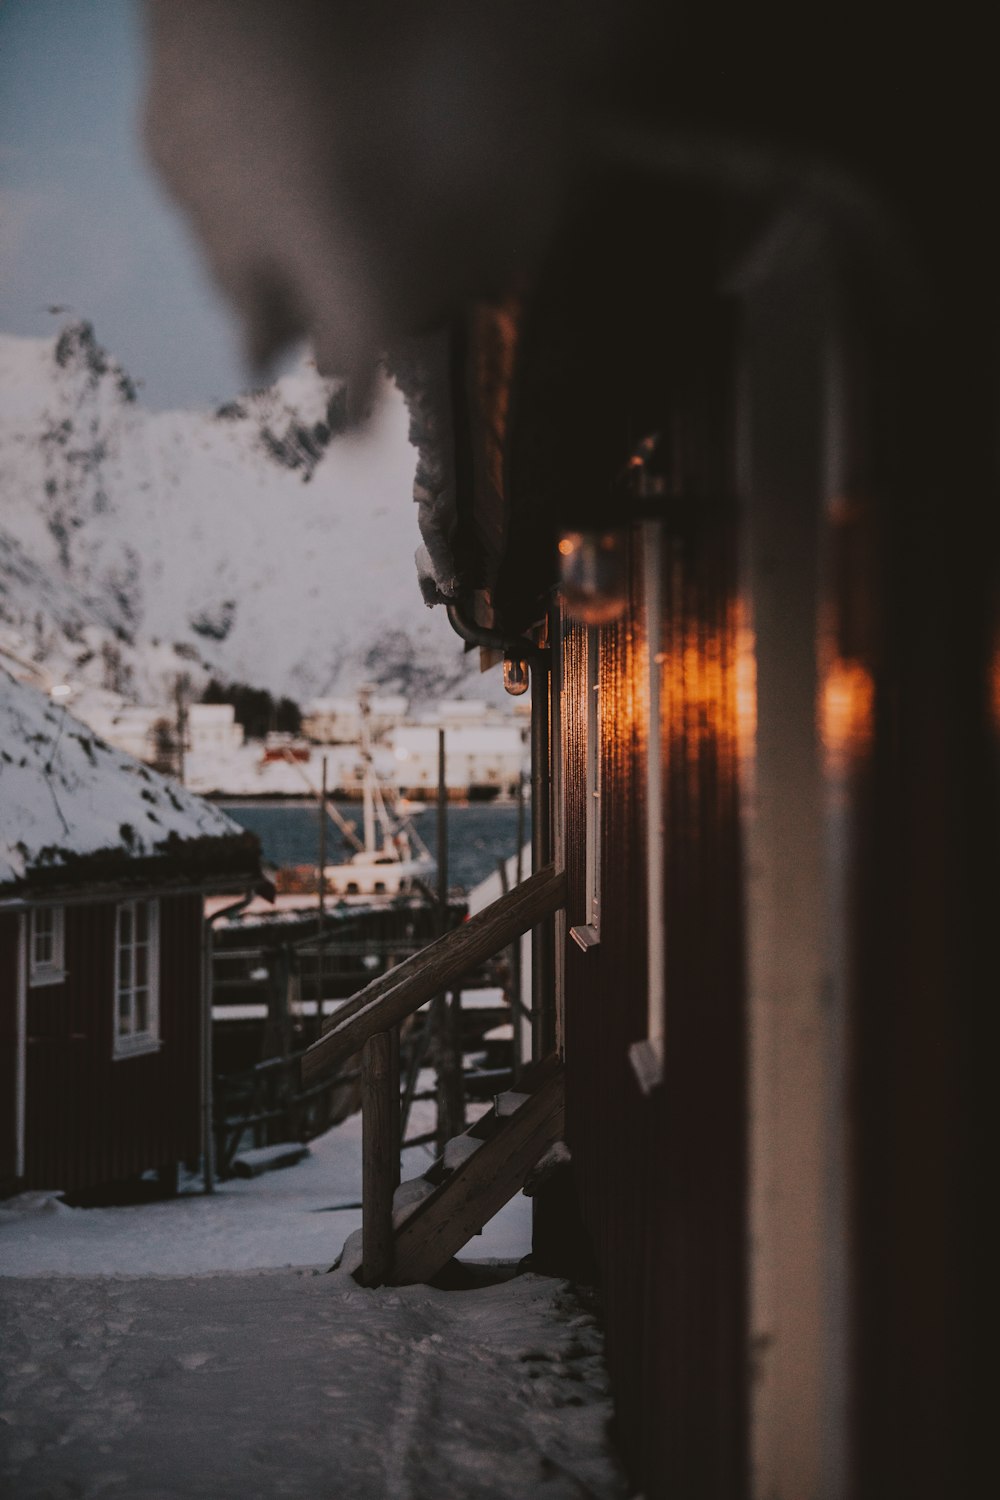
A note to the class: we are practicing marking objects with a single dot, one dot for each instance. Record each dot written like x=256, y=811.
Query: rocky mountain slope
x=260, y=541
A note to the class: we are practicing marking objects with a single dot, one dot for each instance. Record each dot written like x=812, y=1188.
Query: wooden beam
x=379, y=1152
x=479, y=1188
x=390, y=998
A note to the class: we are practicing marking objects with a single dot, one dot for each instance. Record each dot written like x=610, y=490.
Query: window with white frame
x=137, y=977
x=47, y=939
x=588, y=933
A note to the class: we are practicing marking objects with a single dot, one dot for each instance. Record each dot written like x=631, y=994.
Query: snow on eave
x=421, y=369
x=75, y=811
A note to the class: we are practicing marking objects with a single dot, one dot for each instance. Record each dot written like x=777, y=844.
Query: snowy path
x=300, y=1385
x=192, y=1348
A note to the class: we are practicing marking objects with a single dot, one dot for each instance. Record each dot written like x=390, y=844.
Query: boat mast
x=368, y=776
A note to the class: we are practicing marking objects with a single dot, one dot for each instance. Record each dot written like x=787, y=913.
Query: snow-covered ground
x=292, y=1217
x=194, y=1348
x=295, y=1384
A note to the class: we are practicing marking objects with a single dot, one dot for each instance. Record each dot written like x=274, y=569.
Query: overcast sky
x=83, y=225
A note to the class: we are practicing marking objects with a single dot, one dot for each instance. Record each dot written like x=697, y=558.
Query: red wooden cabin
x=104, y=866
x=713, y=298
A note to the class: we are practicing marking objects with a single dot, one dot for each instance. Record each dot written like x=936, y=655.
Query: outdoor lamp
x=515, y=675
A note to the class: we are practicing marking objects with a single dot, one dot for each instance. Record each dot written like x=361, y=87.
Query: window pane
x=124, y=1015
x=125, y=926
x=142, y=1010
x=124, y=968
x=142, y=965
x=141, y=921
x=42, y=936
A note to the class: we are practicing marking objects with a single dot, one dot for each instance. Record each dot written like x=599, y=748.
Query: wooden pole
x=443, y=1062
x=542, y=998
x=207, y=1079
x=516, y=967
x=442, y=836
x=379, y=1150
x=395, y=1108
x=321, y=890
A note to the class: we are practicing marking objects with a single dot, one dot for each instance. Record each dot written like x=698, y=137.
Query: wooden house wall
x=8, y=1047
x=661, y=1177
x=92, y=1118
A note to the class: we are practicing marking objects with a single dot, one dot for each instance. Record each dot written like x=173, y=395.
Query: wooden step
x=467, y=1198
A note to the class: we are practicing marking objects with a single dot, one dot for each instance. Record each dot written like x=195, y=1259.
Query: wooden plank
x=480, y=1187
x=390, y=998
x=379, y=1148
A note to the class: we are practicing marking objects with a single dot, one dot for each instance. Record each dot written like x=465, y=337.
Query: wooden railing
x=369, y=1023
x=267, y=1103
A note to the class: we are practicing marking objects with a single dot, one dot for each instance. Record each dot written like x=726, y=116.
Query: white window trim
x=136, y=1043
x=52, y=970
x=588, y=934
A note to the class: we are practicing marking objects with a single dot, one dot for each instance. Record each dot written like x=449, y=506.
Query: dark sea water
x=479, y=834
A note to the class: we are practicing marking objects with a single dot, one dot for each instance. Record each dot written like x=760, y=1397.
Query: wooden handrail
x=395, y=995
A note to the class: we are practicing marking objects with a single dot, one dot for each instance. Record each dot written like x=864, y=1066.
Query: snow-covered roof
x=74, y=809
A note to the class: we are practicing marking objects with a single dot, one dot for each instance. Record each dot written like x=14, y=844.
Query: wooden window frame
x=52, y=969
x=132, y=1042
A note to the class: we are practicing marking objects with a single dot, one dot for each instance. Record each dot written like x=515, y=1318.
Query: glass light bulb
x=515, y=675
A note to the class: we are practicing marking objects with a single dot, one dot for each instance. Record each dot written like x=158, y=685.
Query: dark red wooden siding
x=92, y=1118
x=661, y=1178
x=8, y=1048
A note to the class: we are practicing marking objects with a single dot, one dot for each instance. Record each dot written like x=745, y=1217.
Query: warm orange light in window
x=746, y=685
x=846, y=713
x=708, y=688
x=566, y=546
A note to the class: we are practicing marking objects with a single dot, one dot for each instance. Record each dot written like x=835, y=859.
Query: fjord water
x=479, y=834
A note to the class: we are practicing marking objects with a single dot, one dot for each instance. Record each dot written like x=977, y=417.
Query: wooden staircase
x=412, y=1239
x=479, y=1172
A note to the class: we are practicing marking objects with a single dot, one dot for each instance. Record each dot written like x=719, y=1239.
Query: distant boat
x=405, y=807
x=384, y=865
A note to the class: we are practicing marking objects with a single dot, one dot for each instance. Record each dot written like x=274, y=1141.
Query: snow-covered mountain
x=259, y=541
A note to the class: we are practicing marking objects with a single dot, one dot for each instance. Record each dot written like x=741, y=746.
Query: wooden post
x=442, y=836
x=514, y=961
x=379, y=1152
x=444, y=1062
x=321, y=902
x=456, y=1101
x=542, y=997
x=394, y=1107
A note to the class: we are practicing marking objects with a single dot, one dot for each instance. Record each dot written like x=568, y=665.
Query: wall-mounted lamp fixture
x=593, y=575
x=515, y=675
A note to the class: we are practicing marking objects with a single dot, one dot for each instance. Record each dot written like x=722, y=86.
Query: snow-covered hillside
x=259, y=541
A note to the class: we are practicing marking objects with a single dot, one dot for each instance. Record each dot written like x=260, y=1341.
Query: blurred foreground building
x=708, y=441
